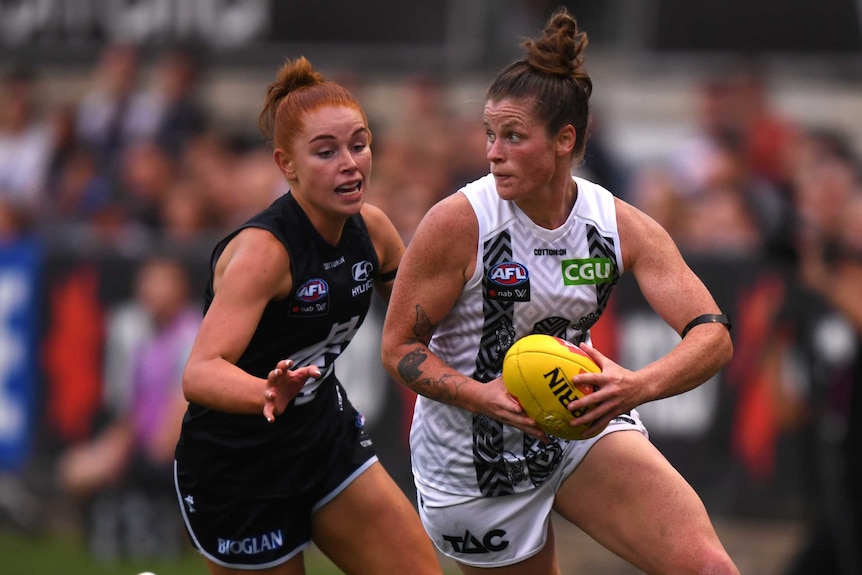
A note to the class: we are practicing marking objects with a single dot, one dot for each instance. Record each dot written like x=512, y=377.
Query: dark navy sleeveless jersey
x=245, y=455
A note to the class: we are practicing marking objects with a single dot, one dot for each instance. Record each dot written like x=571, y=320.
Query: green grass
x=67, y=556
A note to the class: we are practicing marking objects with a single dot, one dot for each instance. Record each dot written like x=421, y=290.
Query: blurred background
x=128, y=145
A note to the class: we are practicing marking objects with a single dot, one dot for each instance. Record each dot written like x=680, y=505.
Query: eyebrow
x=320, y=137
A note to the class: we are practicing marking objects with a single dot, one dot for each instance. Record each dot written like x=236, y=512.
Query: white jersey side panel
x=527, y=280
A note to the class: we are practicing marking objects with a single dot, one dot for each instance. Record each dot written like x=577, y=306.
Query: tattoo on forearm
x=445, y=388
x=409, y=366
x=422, y=328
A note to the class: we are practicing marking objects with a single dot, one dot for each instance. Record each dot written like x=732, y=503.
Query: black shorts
x=246, y=533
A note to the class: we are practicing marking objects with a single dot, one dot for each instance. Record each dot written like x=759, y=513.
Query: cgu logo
x=587, y=271
x=312, y=290
x=508, y=274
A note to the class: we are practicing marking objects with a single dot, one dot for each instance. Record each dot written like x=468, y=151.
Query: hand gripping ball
x=538, y=371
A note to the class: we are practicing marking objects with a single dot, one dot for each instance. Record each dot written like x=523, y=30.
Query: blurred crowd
x=135, y=156
x=749, y=179
x=140, y=157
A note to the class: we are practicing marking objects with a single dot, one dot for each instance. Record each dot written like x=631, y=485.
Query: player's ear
x=566, y=138
x=285, y=163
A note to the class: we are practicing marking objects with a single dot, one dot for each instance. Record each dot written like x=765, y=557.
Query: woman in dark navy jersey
x=272, y=455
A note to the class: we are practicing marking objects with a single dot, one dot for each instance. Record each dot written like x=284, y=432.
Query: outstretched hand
x=282, y=385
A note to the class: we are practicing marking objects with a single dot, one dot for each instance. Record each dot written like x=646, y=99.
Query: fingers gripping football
x=543, y=373
x=610, y=397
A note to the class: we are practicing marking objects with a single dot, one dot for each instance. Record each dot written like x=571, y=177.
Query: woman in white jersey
x=487, y=477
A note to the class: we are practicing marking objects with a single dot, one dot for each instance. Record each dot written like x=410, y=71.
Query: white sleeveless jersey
x=528, y=279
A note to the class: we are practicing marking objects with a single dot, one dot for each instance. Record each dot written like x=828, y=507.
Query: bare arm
x=254, y=269
x=388, y=244
x=678, y=296
x=439, y=260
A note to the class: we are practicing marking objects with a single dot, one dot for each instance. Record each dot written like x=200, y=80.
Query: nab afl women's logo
x=312, y=290
x=508, y=274
x=508, y=281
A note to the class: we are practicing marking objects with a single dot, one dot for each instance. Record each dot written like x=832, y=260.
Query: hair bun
x=560, y=49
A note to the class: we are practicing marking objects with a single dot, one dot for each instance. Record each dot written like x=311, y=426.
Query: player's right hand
x=283, y=384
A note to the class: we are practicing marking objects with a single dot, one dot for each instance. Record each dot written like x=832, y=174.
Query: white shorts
x=498, y=531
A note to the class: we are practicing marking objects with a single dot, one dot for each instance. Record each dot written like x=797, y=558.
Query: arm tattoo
x=409, y=366
x=423, y=328
x=445, y=388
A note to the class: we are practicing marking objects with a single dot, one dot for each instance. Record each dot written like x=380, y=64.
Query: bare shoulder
x=640, y=235
x=254, y=243
x=380, y=227
x=373, y=215
x=633, y=221
x=255, y=255
x=453, y=217
x=385, y=237
x=673, y=290
x=446, y=238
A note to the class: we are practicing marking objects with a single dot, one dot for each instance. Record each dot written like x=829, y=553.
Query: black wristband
x=388, y=276
x=708, y=318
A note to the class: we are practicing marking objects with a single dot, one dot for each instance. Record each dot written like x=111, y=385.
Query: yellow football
x=538, y=371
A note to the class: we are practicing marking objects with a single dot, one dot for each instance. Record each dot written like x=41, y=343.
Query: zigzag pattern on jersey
x=491, y=470
x=440, y=431
x=600, y=247
x=555, y=326
x=542, y=458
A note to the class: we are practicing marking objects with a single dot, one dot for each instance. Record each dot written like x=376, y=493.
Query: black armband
x=388, y=276
x=708, y=318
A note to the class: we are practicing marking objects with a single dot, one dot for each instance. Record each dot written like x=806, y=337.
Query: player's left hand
x=616, y=394
x=283, y=384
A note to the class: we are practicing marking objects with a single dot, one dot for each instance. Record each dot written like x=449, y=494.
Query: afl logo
x=312, y=290
x=508, y=274
x=362, y=271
